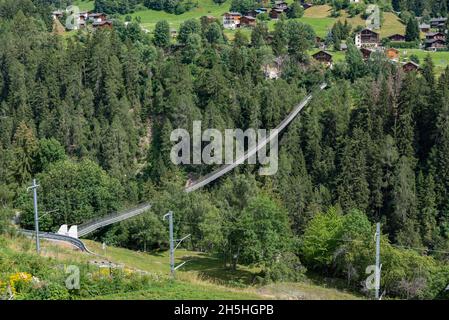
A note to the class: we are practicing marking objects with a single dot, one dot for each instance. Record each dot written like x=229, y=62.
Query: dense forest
x=90, y=116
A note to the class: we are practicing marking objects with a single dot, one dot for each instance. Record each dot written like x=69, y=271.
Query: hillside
x=358, y=176
x=319, y=18
x=198, y=280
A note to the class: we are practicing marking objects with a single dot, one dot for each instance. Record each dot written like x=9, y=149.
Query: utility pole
x=36, y=214
x=172, y=244
x=378, y=266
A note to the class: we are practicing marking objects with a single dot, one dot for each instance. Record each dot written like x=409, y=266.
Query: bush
x=404, y=45
x=47, y=291
x=5, y=220
x=344, y=245
x=286, y=268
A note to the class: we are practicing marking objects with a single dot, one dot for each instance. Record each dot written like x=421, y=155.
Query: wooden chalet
x=435, y=41
x=397, y=38
x=276, y=13
x=306, y=5
x=424, y=27
x=83, y=16
x=97, y=17
x=280, y=5
x=367, y=38
x=436, y=36
x=323, y=57
x=58, y=14
x=102, y=24
x=231, y=20
x=438, y=23
x=435, y=45
x=247, y=21
x=410, y=66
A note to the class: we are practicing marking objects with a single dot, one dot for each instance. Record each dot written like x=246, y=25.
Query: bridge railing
x=94, y=224
x=228, y=167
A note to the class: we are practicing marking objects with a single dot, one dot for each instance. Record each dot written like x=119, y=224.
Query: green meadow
x=318, y=17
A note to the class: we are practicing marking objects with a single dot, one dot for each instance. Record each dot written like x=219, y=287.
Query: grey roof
x=99, y=23
x=411, y=62
x=96, y=14
x=441, y=19
x=431, y=34
x=324, y=51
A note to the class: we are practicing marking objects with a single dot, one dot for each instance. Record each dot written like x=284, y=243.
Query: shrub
x=286, y=268
x=344, y=245
x=47, y=291
x=404, y=45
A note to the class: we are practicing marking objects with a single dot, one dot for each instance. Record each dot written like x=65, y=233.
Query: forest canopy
x=90, y=116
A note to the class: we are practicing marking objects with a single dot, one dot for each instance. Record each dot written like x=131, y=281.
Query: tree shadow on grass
x=212, y=268
x=154, y=253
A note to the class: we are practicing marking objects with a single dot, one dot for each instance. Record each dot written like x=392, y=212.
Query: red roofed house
x=392, y=54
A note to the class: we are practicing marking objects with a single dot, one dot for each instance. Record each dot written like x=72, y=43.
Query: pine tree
x=279, y=43
x=427, y=211
x=440, y=156
x=412, y=29
x=24, y=146
x=404, y=122
x=428, y=71
x=259, y=34
x=354, y=61
x=403, y=219
x=353, y=188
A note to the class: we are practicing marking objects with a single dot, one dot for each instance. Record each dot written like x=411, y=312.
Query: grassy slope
x=201, y=278
x=205, y=8
x=199, y=264
x=440, y=59
x=319, y=18
x=84, y=5
x=183, y=290
x=206, y=271
x=54, y=255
